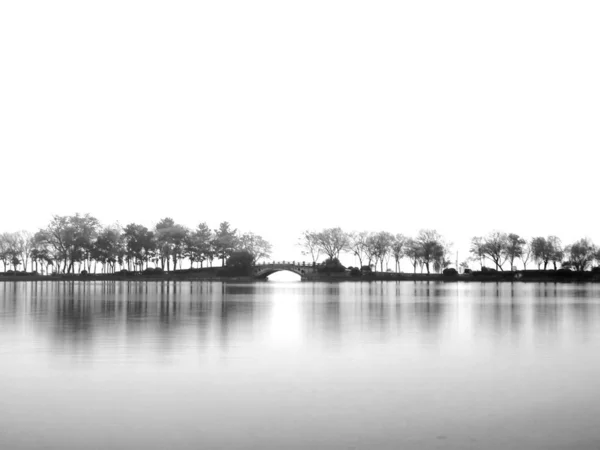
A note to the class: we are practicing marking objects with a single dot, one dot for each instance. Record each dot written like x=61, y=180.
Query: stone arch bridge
x=301, y=268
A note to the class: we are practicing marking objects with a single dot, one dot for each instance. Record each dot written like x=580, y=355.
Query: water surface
x=382, y=365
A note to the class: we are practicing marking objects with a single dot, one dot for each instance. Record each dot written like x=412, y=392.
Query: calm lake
x=297, y=365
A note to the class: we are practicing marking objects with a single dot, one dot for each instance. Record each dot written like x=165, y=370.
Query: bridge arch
x=263, y=274
x=264, y=270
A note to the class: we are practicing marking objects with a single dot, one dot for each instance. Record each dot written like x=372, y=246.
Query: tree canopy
x=69, y=244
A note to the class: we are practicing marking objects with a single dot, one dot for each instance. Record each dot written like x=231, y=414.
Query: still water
x=382, y=365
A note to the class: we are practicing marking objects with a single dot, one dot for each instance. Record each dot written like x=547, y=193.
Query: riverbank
x=534, y=276
x=524, y=276
x=119, y=277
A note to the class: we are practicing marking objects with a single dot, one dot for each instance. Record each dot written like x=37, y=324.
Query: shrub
x=127, y=273
x=239, y=264
x=562, y=273
x=240, y=259
x=355, y=272
x=332, y=266
x=451, y=271
x=84, y=272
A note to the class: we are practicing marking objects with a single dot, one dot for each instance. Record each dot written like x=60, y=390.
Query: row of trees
x=500, y=248
x=80, y=242
x=428, y=250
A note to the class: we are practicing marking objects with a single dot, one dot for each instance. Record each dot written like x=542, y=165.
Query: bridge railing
x=289, y=263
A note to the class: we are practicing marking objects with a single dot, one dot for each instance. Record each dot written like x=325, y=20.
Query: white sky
x=277, y=116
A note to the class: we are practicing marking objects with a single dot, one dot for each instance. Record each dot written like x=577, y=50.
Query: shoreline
x=512, y=277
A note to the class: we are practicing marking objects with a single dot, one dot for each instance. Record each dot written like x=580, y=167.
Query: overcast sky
x=279, y=116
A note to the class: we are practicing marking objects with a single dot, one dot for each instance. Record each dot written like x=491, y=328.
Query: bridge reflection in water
x=301, y=268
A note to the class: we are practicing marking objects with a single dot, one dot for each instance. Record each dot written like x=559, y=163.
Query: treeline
x=72, y=244
x=428, y=250
x=499, y=248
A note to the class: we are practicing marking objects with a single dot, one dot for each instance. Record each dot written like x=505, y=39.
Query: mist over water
x=274, y=365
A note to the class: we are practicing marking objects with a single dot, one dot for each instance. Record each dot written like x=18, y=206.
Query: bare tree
x=381, y=246
x=332, y=241
x=11, y=250
x=255, y=245
x=398, y=247
x=478, y=250
x=357, y=245
x=309, y=243
x=413, y=252
x=495, y=247
x=23, y=245
x=526, y=254
x=5, y=249
x=371, y=251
